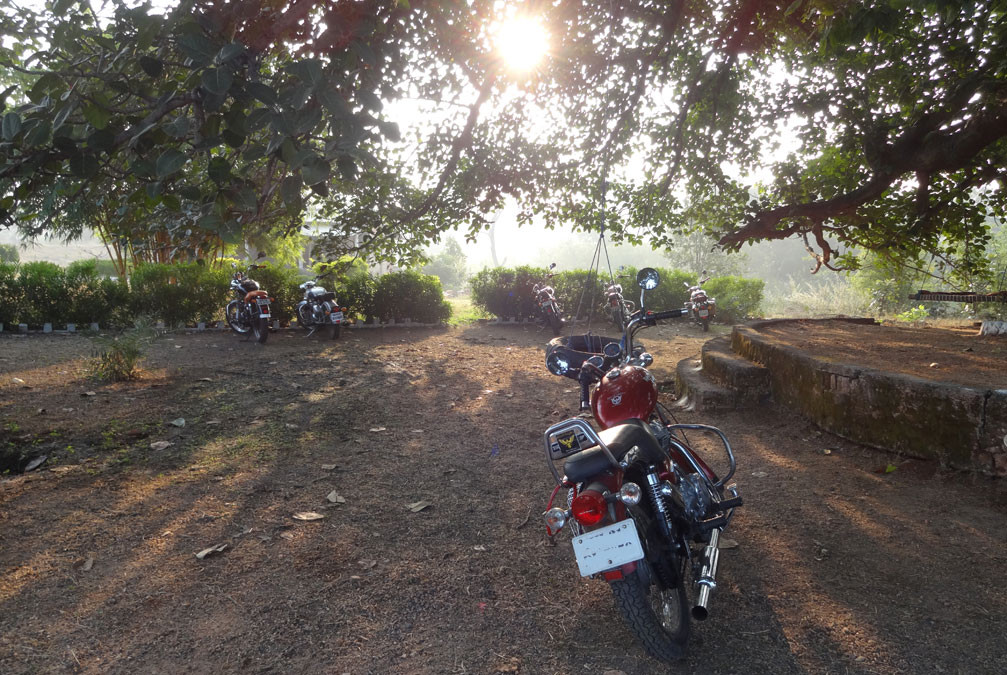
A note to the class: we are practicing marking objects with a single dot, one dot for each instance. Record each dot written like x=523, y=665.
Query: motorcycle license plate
x=704, y=312
x=262, y=302
x=337, y=317
x=607, y=548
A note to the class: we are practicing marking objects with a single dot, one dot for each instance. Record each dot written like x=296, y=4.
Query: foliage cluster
x=9, y=253
x=507, y=292
x=186, y=293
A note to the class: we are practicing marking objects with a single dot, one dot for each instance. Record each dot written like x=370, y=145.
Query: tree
x=449, y=265
x=221, y=117
x=9, y=253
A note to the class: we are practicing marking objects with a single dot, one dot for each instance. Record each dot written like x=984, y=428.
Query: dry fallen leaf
x=287, y=535
x=368, y=564
x=377, y=429
x=161, y=445
x=17, y=380
x=205, y=379
x=759, y=474
x=416, y=507
x=88, y=393
x=727, y=543
x=308, y=515
x=336, y=498
x=178, y=422
x=329, y=467
x=480, y=548
x=213, y=550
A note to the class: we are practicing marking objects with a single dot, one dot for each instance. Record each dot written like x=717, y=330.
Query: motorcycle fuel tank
x=624, y=393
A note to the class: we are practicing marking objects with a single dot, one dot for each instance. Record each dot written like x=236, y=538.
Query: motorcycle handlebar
x=670, y=314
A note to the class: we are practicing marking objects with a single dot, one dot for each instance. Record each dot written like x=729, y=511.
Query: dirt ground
x=947, y=353
x=838, y=567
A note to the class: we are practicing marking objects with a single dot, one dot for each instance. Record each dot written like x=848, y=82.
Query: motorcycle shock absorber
x=655, y=489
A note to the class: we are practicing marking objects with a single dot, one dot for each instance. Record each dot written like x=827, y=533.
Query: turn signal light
x=589, y=507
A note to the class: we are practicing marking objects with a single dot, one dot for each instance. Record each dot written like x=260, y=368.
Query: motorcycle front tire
x=232, y=316
x=260, y=329
x=634, y=600
x=555, y=323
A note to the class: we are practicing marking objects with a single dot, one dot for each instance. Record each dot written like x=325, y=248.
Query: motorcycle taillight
x=589, y=507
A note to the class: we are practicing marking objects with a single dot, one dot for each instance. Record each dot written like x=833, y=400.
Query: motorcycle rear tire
x=556, y=324
x=334, y=330
x=706, y=324
x=260, y=329
x=633, y=599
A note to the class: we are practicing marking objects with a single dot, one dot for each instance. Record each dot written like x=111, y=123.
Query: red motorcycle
x=548, y=306
x=644, y=509
x=702, y=307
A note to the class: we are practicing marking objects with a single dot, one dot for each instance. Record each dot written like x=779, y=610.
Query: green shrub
x=357, y=295
x=11, y=294
x=43, y=289
x=156, y=293
x=205, y=291
x=507, y=292
x=118, y=358
x=410, y=295
x=737, y=298
x=87, y=291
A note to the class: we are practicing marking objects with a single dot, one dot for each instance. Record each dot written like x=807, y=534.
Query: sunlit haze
x=522, y=42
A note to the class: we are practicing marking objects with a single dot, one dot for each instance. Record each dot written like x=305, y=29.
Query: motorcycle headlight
x=557, y=364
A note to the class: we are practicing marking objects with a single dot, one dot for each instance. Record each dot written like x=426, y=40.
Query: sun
x=522, y=42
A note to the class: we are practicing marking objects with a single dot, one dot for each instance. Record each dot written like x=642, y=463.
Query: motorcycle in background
x=249, y=311
x=701, y=307
x=545, y=298
x=320, y=309
x=619, y=309
x=644, y=509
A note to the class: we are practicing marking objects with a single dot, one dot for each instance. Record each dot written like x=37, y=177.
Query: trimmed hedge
x=186, y=293
x=506, y=292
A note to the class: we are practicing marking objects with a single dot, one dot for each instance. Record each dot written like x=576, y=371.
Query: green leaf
x=364, y=53
x=151, y=66
x=96, y=116
x=198, y=48
x=307, y=119
x=290, y=189
x=282, y=124
x=84, y=165
x=390, y=130
x=217, y=80
x=169, y=162
x=253, y=152
x=369, y=100
x=257, y=119
x=230, y=52
x=10, y=126
x=244, y=199
x=210, y=221
x=102, y=140
x=890, y=468
x=333, y=102
x=315, y=170
x=262, y=92
x=39, y=134
x=178, y=127
x=219, y=170
x=232, y=139
x=347, y=167
x=308, y=71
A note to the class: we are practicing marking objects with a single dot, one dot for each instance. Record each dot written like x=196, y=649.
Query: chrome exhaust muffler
x=707, y=577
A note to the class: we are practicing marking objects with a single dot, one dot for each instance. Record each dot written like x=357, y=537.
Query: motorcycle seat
x=325, y=297
x=620, y=439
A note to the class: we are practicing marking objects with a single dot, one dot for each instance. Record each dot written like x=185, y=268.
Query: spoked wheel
x=260, y=329
x=232, y=314
x=304, y=317
x=657, y=615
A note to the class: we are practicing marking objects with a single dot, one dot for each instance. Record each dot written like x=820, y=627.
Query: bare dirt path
x=837, y=569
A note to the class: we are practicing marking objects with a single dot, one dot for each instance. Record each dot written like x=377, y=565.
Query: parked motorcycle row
x=644, y=510
x=249, y=311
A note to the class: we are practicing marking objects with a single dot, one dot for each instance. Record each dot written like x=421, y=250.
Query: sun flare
x=522, y=43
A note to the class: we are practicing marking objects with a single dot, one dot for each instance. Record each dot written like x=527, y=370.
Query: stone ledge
x=962, y=426
x=721, y=364
x=696, y=392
